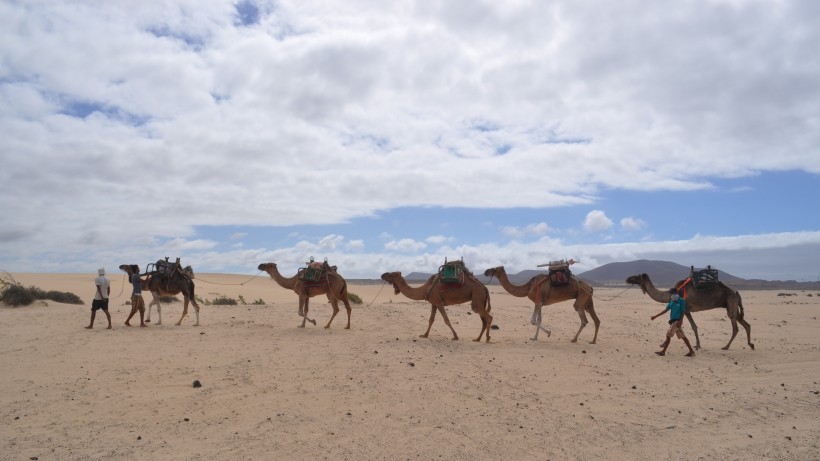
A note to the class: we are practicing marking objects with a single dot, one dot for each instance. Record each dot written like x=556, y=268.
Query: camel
x=540, y=292
x=177, y=283
x=440, y=295
x=335, y=289
x=157, y=294
x=701, y=300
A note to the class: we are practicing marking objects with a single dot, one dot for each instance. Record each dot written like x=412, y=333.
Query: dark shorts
x=99, y=304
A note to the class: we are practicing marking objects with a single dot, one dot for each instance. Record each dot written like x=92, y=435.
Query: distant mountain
x=663, y=273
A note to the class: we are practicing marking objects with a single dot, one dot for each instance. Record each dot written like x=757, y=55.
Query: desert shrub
x=168, y=299
x=354, y=298
x=37, y=292
x=63, y=297
x=17, y=295
x=259, y=302
x=224, y=301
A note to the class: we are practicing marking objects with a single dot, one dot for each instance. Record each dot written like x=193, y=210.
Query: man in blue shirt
x=676, y=308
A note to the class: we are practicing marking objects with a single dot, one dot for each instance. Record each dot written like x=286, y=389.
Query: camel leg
x=694, y=329
x=595, y=320
x=536, y=320
x=430, y=324
x=584, y=321
x=184, y=311
x=486, y=324
x=348, y=309
x=734, y=333
x=447, y=321
x=196, y=310
x=748, y=329
x=303, y=309
x=335, y=304
x=154, y=300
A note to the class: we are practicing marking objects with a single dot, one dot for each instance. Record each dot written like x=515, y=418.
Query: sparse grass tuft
x=354, y=298
x=223, y=301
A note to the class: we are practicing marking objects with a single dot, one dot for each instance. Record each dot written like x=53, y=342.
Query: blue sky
x=390, y=135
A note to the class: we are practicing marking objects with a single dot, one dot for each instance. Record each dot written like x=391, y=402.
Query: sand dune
x=378, y=391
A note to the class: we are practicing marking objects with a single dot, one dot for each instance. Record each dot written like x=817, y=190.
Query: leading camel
x=175, y=284
x=335, y=289
x=540, y=292
x=440, y=295
x=701, y=300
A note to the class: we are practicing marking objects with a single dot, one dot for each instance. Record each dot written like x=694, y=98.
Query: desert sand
x=271, y=390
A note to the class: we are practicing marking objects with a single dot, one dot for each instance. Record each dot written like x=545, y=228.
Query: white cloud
x=436, y=239
x=632, y=224
x=405, y=245
x=237, y=235
x=355, y=245
x=330, y=242
x=530, y=229
x=323, y=112
x=597, y=221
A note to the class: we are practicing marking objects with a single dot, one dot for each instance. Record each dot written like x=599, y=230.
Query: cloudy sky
x=390, y=135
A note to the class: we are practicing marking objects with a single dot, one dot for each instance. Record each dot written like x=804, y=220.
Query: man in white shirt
x=100, y=297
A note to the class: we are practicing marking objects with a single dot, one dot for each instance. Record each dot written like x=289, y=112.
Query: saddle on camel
x=452, y=273
x=559, y=273
x=315, y=273
x=699, y=279
x=164, y=269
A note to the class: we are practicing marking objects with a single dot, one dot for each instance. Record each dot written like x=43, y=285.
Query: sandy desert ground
x=271, y=390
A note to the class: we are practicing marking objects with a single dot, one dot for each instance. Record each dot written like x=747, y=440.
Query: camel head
x=266, y=266
x=638, y=280
x=492, y=271
x=127, y=268
x=391, y=278
x=189, y=271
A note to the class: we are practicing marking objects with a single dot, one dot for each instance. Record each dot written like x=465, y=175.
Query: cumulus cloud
x=530, y=229
x=315, y=113
x=355, y=245
x=597, y=221
x=405, y=245
x=632, y=224
x=436, y=239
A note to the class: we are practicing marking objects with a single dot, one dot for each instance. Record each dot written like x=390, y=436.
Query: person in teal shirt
x=676, y=308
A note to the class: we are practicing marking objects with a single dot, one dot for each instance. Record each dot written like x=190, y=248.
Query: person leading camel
x=100, y=301
x=676, y=308
x=137, y=303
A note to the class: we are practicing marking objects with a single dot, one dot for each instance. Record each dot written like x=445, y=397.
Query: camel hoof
x=158, y=323
x=592, y=342
x=347, y=327
x=327, y=327
x=477, y=340
x=725, y=348
x=455, y=339
x=196, y=324
x=147, y=320
x=313, y=322
x=752, y=346
x=549, y=333
x=178, y=323
x=573, y=340
x=422, y=336
x=300, y=326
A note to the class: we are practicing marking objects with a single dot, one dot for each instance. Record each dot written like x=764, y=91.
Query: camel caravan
x=454, y=284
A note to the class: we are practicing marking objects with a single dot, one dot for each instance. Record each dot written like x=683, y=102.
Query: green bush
x=63, y=297
x=17, y=295
x=354, y=298
x=259, y=302
x=224, y=301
